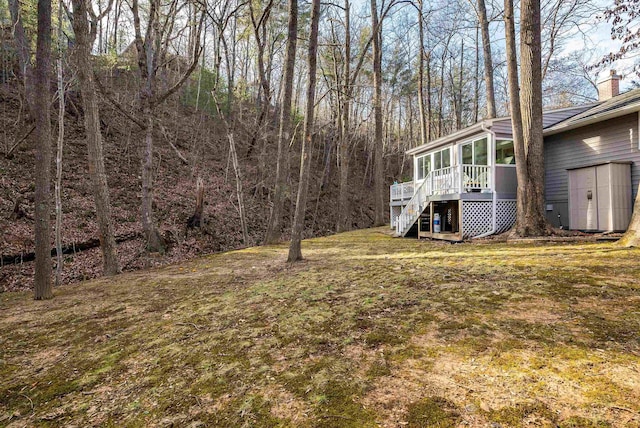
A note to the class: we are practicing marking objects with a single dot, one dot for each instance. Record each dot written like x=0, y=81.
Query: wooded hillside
x=191, y=144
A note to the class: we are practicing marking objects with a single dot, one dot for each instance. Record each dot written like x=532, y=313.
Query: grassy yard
x=367, y=331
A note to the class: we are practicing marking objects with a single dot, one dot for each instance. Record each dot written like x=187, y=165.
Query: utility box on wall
x=600, y=197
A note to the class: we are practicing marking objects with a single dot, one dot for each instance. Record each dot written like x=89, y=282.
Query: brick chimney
x=609, y=87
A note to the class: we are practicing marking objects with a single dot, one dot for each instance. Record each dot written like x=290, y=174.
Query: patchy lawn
x=368, y=331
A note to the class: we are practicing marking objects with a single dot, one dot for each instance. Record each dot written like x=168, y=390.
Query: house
x=464, y=184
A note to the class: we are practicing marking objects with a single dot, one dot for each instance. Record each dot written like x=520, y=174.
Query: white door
x=583, y=199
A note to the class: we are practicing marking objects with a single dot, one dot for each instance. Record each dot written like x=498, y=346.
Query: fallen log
x=68, y=249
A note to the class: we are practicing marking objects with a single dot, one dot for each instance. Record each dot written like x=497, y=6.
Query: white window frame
x=415, y=165
x=490, y=152
x=495, y=151
x=432, y=158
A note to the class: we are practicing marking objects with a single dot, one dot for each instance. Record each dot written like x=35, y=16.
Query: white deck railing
x=475, y=177
x=444, y=181
x=401, y=191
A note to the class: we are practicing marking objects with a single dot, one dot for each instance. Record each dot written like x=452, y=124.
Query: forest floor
x=367, y=331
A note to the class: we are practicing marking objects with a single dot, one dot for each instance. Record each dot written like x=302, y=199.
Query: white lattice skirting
x=506, y=215
x=477, y=217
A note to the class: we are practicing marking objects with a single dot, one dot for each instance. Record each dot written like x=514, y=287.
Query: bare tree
x=378, y=146
x=295, y=250
x=85, y=34
x=526, y=117
x=260, y=26
x=37, y=86
x=151, y=51
x=514, y=104
x=41, y=103
x=534, y=222
x=624, y=17
x=233, y=154
x=284, y=132
x=344, y=217
x=424, y=137
x=59, y=151
x=483, y=21
x=23, y=50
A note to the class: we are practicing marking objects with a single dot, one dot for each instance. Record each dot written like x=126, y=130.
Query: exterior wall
x=612, y=140
x=502, y=128
x=506, y=180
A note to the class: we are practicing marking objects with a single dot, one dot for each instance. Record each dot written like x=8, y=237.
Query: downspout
x=494, y=222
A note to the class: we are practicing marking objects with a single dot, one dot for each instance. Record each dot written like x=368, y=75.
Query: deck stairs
x=407, y=220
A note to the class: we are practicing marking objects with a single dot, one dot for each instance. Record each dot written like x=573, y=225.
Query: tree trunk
x=59, y=153
x=154, y=241
x=441, y=130
x=476, y=80
x=514, y=105
x=274, y=224
x=534, y=223
x=526, y=118
x=264, y=102
x=632, y=237
x=239, y=191
x=295, y=251
x=151, y=52
x=378, y=147
x=42, y=281
x=488, y=60
x=344, y=210
x=97, y=173
x=197, y=220
x=429, y=115
x=421, y=107
x=117, y=11
x=458, y=93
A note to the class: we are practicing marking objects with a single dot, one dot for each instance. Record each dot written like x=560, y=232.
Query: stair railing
x=415, y=206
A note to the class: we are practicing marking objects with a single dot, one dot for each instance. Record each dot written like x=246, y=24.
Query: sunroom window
x=475, y=153
x=442, y=159
x=423, y=166
x=505, y=154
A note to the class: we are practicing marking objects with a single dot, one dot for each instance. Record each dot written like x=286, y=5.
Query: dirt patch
x=286, y=406
x=533, y=311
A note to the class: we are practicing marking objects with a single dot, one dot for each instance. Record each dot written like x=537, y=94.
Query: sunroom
x=464, y=186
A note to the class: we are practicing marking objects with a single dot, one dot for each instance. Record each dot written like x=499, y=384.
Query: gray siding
x=506, y=180
x=502, y=127
x=612, y=140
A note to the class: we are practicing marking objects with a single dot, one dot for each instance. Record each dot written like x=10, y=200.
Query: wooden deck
x=446, y=236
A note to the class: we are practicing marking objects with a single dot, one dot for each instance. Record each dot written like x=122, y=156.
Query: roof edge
x=451, y=137
x=567, y=125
